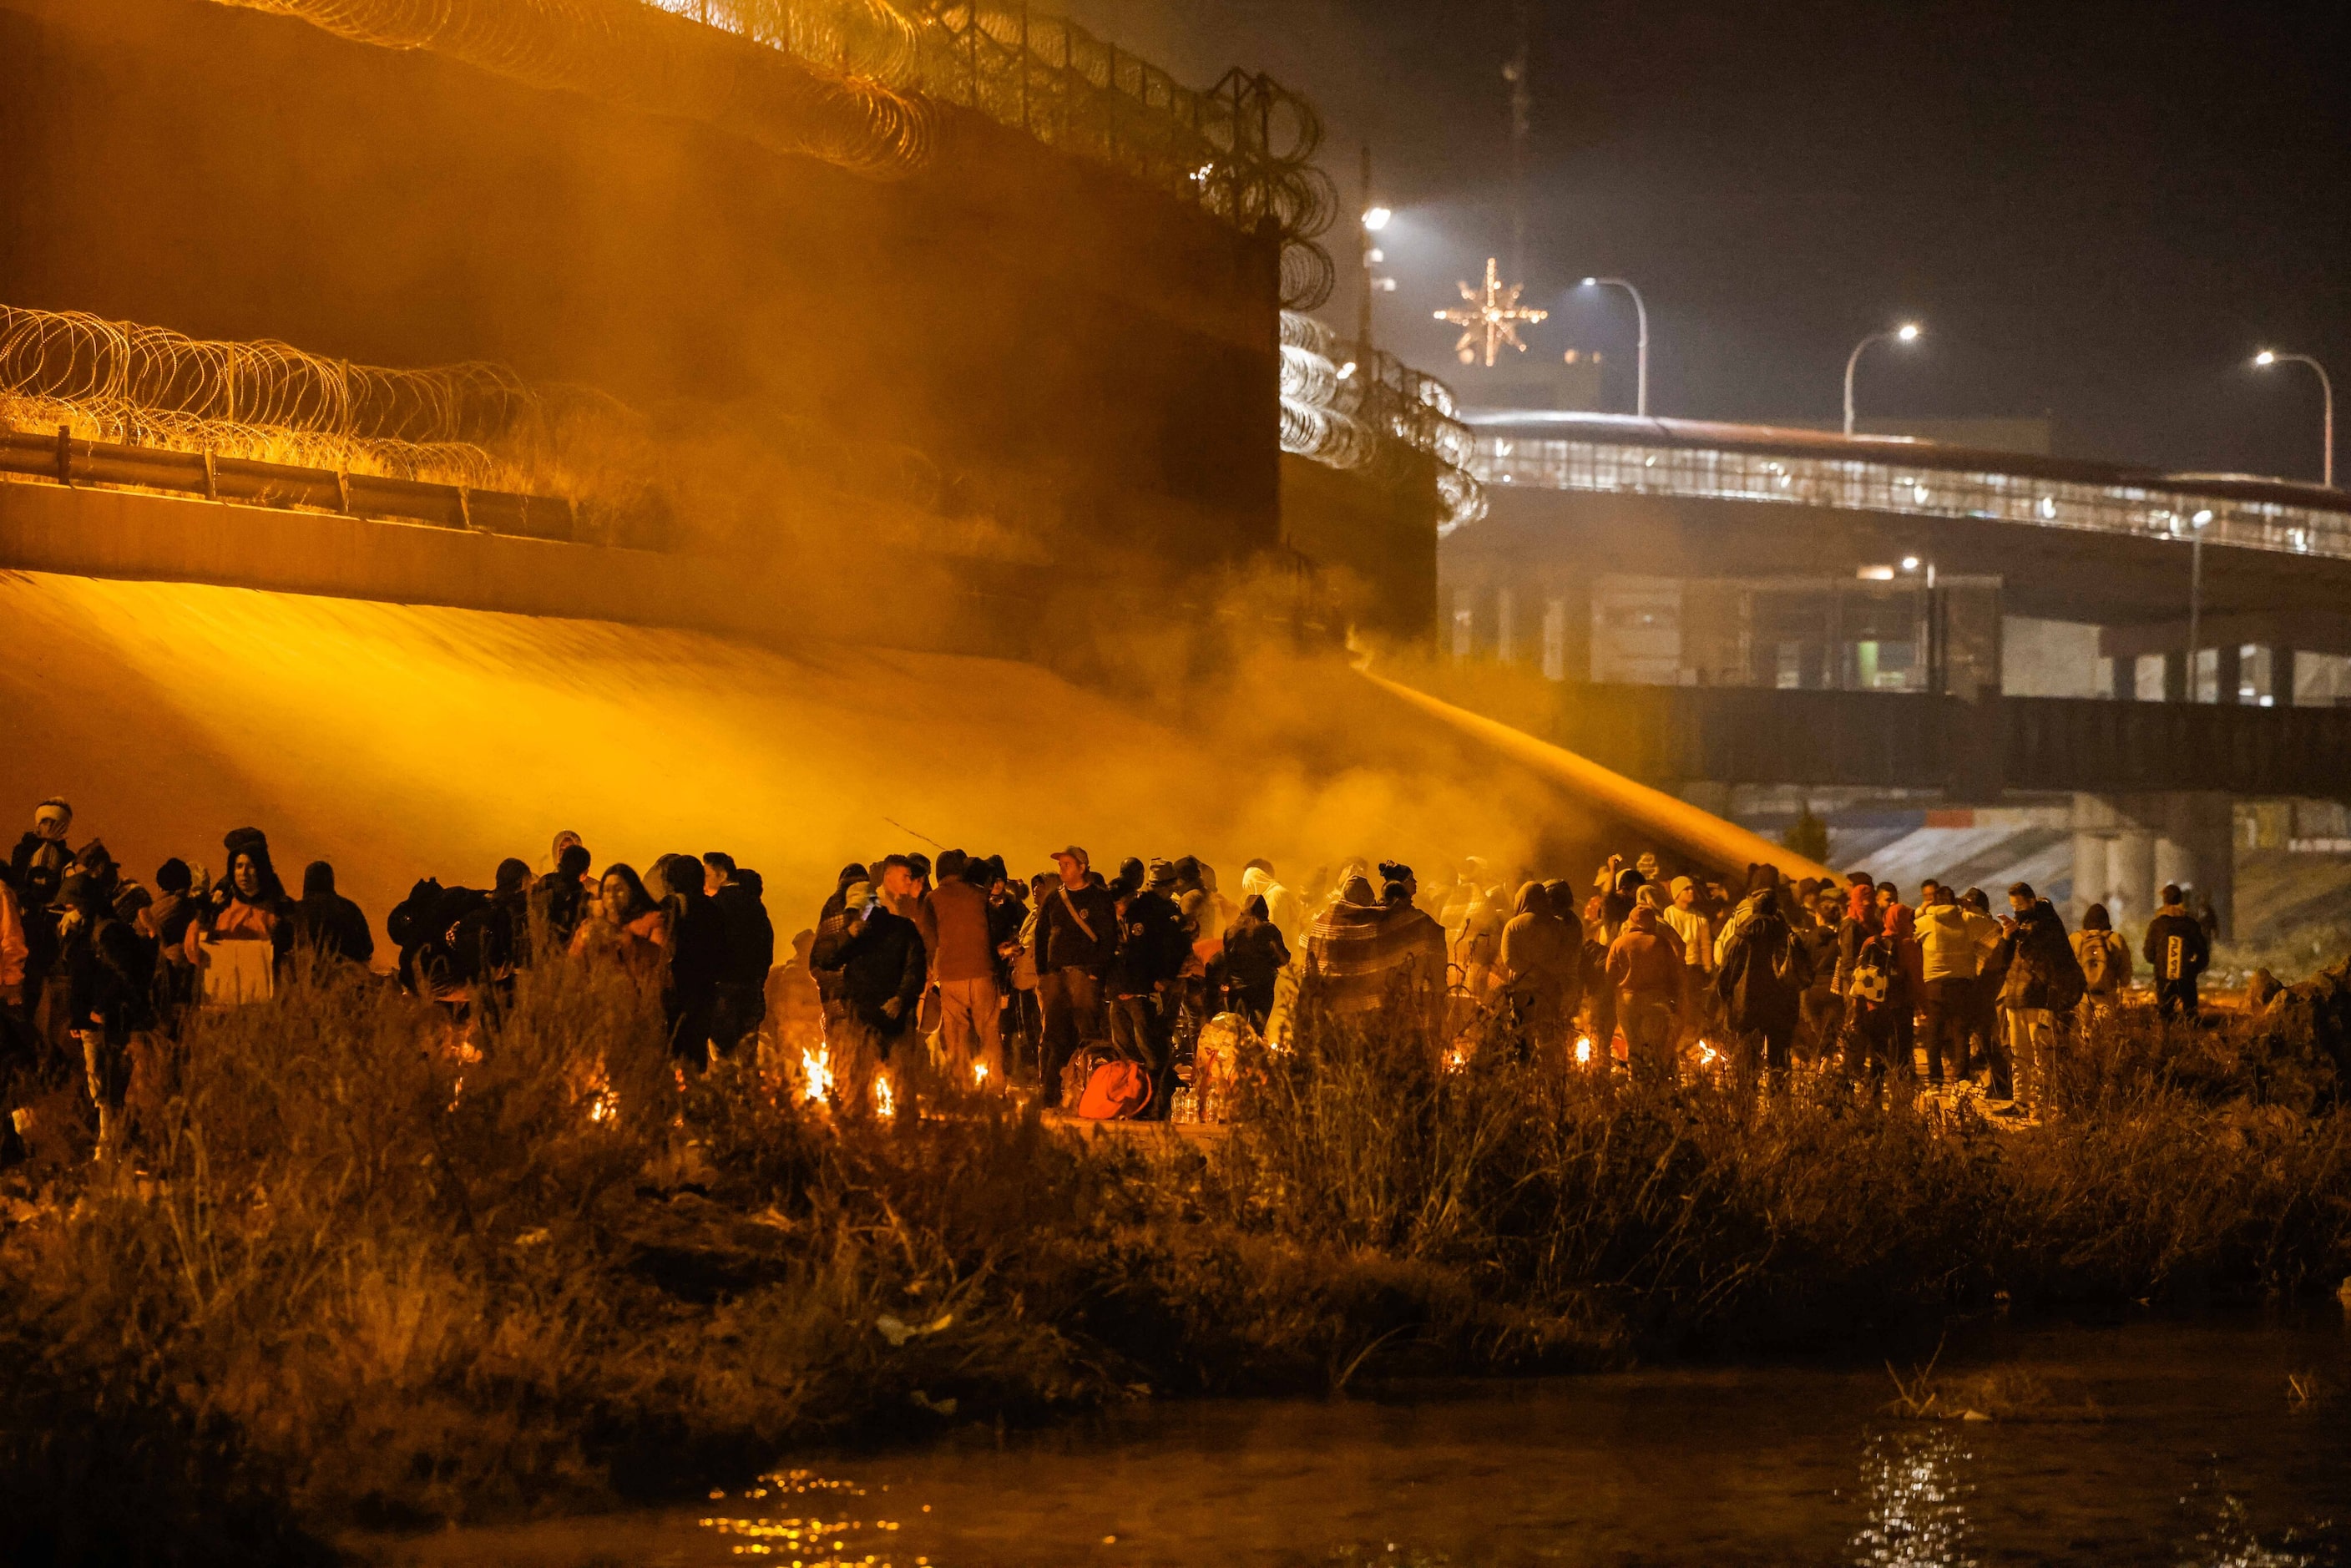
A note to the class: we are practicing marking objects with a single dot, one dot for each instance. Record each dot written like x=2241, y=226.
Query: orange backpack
x=1116, y=1092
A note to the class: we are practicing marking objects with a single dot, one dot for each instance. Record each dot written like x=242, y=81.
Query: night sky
x=2098, y=210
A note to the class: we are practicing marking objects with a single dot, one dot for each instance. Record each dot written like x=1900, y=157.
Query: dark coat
x=745, y=932
x=2194, y=948
x=1152, y=944
x=1254, y=953
x=2040, y=969
x=1062, y=942
x=697, y=945
x=330, y=924
x=875, y=960
x=1764, y=969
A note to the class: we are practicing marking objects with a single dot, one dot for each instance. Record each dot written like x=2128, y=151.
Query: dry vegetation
x=360, y=1282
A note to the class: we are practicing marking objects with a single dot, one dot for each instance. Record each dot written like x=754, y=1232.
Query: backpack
x=1115, y=1092
x=2098, y=960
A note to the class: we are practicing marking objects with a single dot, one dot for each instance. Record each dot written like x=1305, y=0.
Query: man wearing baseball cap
x=1077, y=936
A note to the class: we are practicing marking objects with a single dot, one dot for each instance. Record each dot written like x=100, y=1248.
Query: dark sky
x=2098, y=210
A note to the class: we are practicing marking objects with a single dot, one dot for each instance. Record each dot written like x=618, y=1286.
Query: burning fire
x=1583, y=1050
x=979, y=1075
x=885, y=1099
x=816, y=1069
x=1706, y=1053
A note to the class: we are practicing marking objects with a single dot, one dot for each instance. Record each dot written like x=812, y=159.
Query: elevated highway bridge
x=1721, y=604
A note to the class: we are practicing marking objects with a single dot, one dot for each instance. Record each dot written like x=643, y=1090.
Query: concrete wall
x=1377, y=541
x=234, y=175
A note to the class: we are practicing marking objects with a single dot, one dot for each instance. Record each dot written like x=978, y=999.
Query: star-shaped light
x=1493, y=315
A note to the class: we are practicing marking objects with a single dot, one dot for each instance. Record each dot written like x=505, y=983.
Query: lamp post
x=2196, y=608
x=1375, y=218
x=1905, y=333
x=2268, y=357
x=1641, y=350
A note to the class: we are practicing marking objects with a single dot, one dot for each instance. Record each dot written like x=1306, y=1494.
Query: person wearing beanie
x=2105, y=960
x=326, y=925
x=2178, y=951
x=166, y=922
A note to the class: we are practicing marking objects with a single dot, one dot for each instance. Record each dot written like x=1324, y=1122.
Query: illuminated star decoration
x=1493, y=314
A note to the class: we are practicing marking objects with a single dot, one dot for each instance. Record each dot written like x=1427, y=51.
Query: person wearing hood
x=2043, y=980
x=1361, y=955
x=1254, y=956
x=2178, y=949
x=248, y=905
x=45, y=844
x=1541, y=962
x=1282, y=909
x=1762, y=979
x=1687, y=920
x=1822, y=1012
x=177, y=904
x=877, y=957
x=328, y=925
x=1644, y=975
x=1952, y=942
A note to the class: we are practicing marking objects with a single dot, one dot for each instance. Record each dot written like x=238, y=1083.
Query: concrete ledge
x=89, y=532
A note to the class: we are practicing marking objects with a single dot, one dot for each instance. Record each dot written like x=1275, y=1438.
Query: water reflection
x=1916, y=1481
x=798, y=1530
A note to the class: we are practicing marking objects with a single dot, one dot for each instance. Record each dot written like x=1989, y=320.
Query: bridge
x=1720, y=605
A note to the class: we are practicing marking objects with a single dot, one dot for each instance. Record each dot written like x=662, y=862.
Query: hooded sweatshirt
x=1952, y=942
x=1539, y=949
x=1642, y=963
x=2176, y=945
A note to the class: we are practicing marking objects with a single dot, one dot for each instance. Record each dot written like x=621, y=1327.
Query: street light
x=1641, y=353
x=2268, y=357
x=1905, y=333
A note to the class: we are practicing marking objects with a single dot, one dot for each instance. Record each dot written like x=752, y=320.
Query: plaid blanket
x=1354, y=955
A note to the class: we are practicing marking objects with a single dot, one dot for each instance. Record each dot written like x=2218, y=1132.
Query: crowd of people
x=956, y=965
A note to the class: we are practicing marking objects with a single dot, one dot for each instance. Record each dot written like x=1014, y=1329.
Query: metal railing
x=2145, y=508
x=64, y=460
x=1350, y=408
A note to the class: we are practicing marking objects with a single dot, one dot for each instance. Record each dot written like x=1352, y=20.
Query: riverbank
x=363, y=1282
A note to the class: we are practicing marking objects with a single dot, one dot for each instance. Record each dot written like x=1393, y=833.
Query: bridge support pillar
x=2126, y=847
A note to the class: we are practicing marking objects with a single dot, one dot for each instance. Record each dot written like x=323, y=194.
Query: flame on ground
x=1582, y=1051
x=816, y=1072
x=885, y=1099
x=979, y=1074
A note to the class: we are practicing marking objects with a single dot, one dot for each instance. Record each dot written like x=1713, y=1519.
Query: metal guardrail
x=65, y=460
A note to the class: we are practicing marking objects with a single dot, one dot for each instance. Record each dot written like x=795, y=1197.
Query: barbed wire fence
x=1367, y=412
x=856, y=83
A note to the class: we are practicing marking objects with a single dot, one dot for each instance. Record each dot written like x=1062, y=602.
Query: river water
x=2146, y=1444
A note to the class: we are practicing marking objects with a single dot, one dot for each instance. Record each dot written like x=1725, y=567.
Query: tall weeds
x=377, y=1271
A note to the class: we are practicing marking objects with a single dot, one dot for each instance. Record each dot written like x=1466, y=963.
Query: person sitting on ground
x=2178, y=950
x=326, y=925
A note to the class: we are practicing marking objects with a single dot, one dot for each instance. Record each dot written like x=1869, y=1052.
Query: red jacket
x=1643, y=965
x=954, y=924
